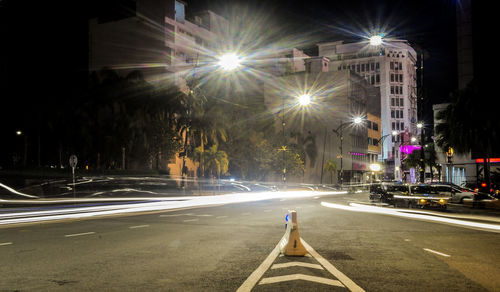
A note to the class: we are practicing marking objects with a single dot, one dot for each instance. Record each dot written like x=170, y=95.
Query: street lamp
x=229, y=61
x=376, y=40
x=338, y=131
x=304, y=99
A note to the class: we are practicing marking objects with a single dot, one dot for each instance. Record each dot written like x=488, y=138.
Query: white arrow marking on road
x=296, y=264
x=5, y=243
x=191, y=220
x=334, y=271
x=252, y=280
x=321, y=280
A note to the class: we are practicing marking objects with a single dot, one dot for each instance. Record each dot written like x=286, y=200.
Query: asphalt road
x=218, y=248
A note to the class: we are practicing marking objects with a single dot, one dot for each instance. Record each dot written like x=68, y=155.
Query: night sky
x=44, y=44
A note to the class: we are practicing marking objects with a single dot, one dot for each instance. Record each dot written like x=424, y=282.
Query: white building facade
x=391, y=67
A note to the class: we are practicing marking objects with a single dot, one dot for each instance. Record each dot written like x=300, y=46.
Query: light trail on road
x=413, y=215
x=160, y=204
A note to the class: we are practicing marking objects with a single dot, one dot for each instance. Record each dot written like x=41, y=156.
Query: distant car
x=419, y=196
x=482, y=200
x=456, y=193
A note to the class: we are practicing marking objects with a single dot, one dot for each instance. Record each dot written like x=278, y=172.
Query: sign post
x=72, y=162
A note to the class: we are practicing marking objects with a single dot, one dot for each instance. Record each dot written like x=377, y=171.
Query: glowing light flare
x=304, y=99
x=229, y=61
x=375, y=167
x=376, y=40
x=357, y=120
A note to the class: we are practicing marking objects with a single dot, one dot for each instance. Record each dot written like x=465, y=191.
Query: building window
x=369, y=124
x=357, y=68
x=372, y=66
x=400, y=77
x=393, y=126
x=392, y=101
x=377, y=78
x=401, y=114
x=377, y=66
x=391, y=65
x=375, y=126
x=392, y=89
x=392, y=114
x=402, y=126
x=401, y=102
x=373, y=79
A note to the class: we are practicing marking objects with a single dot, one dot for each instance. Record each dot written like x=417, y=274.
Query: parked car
x=456, y=193
x=419, y=196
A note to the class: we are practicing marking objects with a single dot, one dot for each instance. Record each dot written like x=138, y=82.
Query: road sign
x=73, y=161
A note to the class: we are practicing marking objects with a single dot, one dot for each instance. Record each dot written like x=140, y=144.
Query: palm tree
x=216, y=161
x=330, y=167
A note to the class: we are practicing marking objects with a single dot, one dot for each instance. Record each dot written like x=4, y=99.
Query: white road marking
x=79, y=234
x=406, y=239
x=220, y=217
x=316, y=198
x=437, y=252
x=191, y=220
x=296, y=264
x=330, y=268
x=138, y=226
x=5, y=243
x=257, y=274
x=203, y=215
x=252, y=280
x=321, y=280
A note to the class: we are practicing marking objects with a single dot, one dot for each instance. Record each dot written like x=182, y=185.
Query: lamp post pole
x=340, y=135
x=283, y=124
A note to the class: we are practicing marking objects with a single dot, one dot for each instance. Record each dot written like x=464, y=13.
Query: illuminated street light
x=376, y=40
x=375, y=167
x=357, y=120
x=338, y=131
x=304, y=99
x=229, y=61
x=420, y=125
x=19, y=133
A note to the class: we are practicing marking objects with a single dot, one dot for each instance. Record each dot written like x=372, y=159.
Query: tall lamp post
x=340, y=135
x=303, y=100
x=227, y=62
x=422, y=153
x=381, y=141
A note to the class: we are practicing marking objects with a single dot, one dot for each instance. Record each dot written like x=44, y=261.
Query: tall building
x=391, y=67
x=161, y=40
x=156, y=37
x=337, y=98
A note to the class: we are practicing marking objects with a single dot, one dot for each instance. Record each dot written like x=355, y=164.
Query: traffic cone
x=290, y=244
